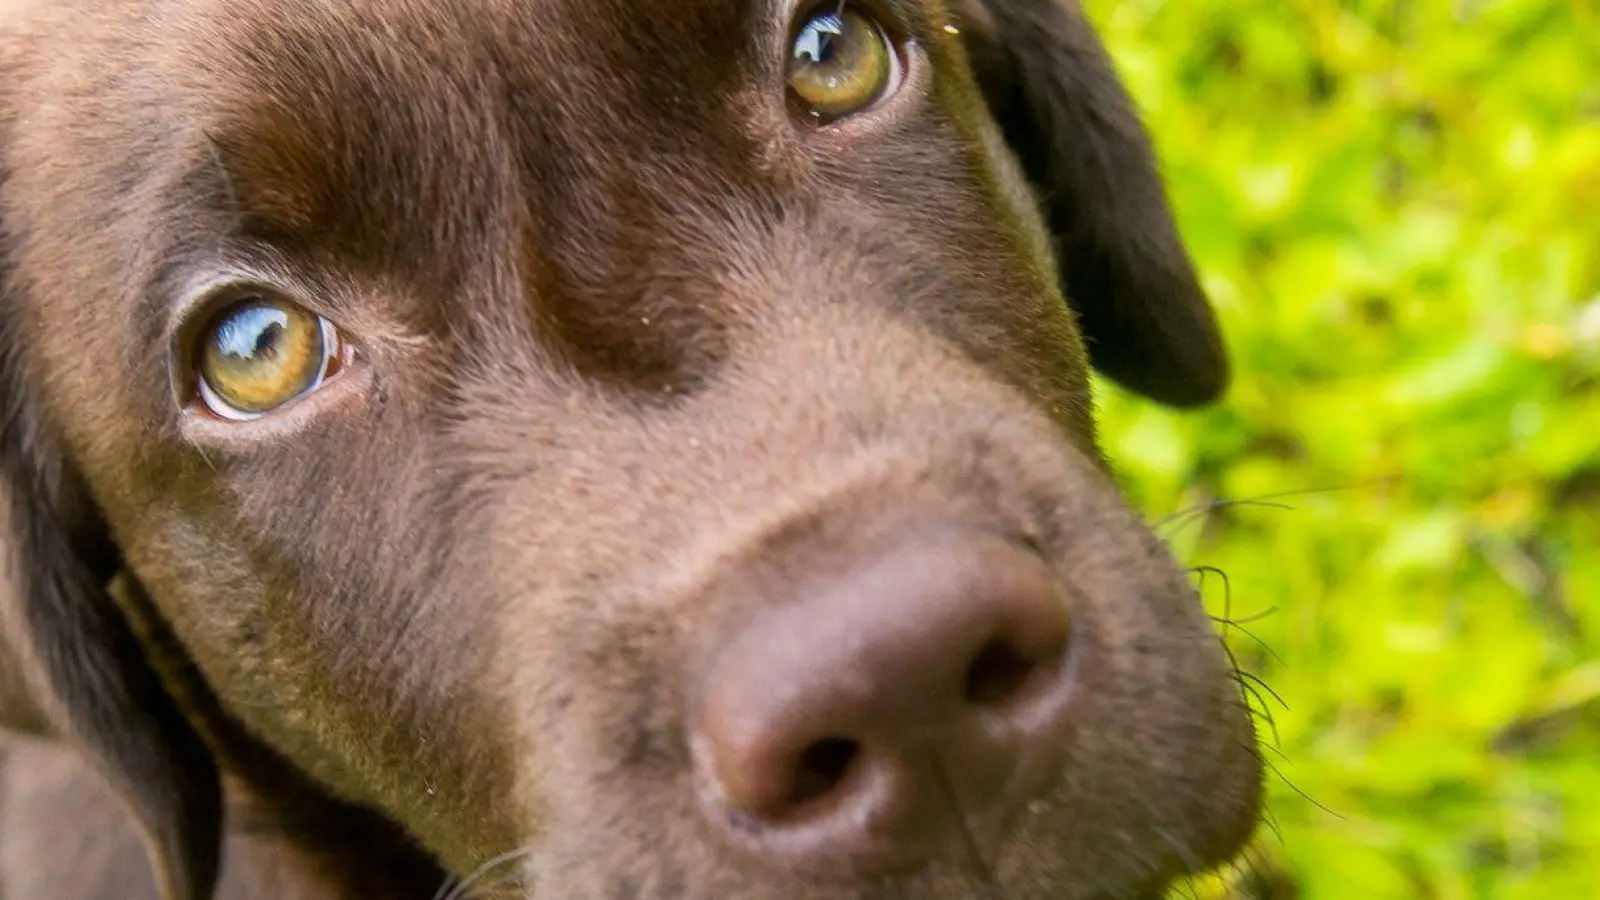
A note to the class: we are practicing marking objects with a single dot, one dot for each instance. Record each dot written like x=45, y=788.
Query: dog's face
x=651, y=436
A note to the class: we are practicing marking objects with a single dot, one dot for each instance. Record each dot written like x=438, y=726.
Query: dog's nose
x=898, y=705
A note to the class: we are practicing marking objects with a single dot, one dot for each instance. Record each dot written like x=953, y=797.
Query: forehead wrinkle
x=401, y=111
x=358, y=140
x=398, y=135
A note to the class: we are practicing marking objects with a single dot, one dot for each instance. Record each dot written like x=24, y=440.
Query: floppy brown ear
x=70, y=666
x=1052, y=87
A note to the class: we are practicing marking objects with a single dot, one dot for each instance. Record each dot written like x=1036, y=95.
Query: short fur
x=624, y=327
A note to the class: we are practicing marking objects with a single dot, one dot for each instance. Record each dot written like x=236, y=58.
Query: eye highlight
x=841, y=62
x=261, y=353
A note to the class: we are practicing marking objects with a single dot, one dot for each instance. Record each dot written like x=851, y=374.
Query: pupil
x=252, y=333
x=268, y=339
x=817, y=43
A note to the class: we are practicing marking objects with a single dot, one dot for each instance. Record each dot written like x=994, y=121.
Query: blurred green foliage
x=1394, y=205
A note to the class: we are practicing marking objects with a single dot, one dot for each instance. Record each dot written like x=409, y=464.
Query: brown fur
x=626, y=333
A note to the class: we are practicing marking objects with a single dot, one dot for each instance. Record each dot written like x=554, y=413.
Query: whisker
x=1265, y=647
x=1258, y=710
x=1249, y=690
x=1278, y=773
x=1251, y=620
x=1227, y=596
x=1267, y=501
x=1259, y=683
x=1251, y=868
x=1189, y=887
x=481, y=890
x=1183, y=516
x=462, y=889
x=1227, y=619
x=1184, y=851
x=974, y=849
x=1269, y=819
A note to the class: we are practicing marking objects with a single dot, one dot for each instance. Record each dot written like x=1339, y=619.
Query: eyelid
x=222, y=436
x=911, y=87
x=200, y=292
x=211, y=293
x=336, y=350
x=209, y=290
x=893, y=16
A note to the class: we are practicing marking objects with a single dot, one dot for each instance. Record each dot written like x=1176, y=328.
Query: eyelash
x=895, y=48
x=206, y=317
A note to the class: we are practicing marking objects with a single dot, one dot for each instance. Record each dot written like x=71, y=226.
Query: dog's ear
x=71, y=667
x=1054, y=91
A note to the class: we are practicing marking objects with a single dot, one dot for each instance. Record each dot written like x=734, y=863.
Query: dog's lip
x=354, y=384
x=1028, y=774
x=1160, y=891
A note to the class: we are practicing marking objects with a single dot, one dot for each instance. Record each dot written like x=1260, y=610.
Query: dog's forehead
x=424, y=116
x=542, y=46
x=593, y=65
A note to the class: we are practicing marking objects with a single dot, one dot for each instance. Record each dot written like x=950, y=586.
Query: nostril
x=1005, y=669
x=822, y=767
x=997, y=674
x=844, y=722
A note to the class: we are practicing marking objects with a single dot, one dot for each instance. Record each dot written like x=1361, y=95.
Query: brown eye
x=841, y=62
x=261, y=353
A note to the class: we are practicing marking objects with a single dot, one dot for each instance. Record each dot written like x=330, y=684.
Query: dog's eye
x=261, y=353
x=841, y=62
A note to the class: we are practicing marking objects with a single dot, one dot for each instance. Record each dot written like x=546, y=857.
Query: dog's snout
x=884, y=708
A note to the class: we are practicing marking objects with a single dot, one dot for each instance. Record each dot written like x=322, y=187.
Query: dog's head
x=652, y=436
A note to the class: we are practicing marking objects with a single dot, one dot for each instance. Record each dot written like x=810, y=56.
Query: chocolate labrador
x=591, y=449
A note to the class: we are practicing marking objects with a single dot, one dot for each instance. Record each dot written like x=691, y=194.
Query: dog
x=592, y=449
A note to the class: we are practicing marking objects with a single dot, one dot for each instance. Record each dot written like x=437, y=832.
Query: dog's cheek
x=213, y=607
x=1171, y=746
x=968, y=240
x=339, y=670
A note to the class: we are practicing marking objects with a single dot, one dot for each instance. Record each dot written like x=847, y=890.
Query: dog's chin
x=1032, y=874
x=1060, y=848
x=531, y=887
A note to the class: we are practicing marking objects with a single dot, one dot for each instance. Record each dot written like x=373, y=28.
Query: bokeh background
x=1396, y=206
